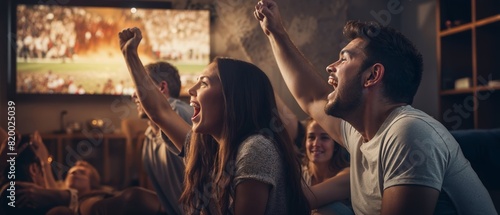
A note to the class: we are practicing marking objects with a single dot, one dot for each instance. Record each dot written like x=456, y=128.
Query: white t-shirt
x=412, y=148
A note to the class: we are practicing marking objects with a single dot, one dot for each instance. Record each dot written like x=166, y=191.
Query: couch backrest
x=482, y=149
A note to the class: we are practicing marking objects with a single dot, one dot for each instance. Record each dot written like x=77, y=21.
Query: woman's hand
x=39, y=147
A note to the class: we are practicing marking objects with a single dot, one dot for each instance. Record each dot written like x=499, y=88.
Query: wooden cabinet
x=468, y=52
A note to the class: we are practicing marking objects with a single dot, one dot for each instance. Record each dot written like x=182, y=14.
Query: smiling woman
x=239, y=158
x=326, y=160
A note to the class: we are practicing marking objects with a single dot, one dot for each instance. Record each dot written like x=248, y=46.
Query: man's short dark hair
x=164, y=71
x=402, y=62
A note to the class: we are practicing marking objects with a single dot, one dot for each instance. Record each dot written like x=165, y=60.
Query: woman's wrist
x=73, y=202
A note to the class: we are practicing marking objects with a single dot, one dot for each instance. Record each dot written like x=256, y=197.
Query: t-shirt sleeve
x=347, y=132
x=257, y=159
x=414, y=153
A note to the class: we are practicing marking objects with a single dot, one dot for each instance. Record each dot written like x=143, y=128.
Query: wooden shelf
x=456, y=92
x=487, y=88
x=468, y=50
x=488, y=20
x=469, y=26
x=455, y=30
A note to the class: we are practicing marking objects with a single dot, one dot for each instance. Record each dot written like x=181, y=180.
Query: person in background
x=80, y=193
x=33, y=174
x=325, y=160
x=402, y=160
x=95, y=199
x=164, y=168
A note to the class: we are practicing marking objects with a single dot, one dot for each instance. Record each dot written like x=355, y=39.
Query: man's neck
x=368, y=119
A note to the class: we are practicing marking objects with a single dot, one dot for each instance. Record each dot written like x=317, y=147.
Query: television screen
x=75, y=50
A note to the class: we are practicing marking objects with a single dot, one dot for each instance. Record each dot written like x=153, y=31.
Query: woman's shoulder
x=256, y=147
x=257, y=142
x=257, y=138
x=258, y=159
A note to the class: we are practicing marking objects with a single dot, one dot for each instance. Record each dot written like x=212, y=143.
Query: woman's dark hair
x=250, y=108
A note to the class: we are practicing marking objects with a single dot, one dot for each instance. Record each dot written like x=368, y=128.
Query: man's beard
x=345, y=100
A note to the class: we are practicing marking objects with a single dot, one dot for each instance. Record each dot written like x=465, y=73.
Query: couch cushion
x=482, y=149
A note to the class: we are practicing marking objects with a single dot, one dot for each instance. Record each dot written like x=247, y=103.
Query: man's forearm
x=152, y=100
x=154, y=103
x=305, y=84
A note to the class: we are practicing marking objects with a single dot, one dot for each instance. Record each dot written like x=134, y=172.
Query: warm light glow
x=50, y=16
x=133, y=10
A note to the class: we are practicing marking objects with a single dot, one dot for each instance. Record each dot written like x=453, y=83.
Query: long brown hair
x=250, y=108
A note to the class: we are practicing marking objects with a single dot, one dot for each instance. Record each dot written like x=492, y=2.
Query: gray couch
x=482, y=149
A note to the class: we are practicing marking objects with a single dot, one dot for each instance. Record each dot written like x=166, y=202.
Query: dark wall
x=3, y=66
x=419, y=25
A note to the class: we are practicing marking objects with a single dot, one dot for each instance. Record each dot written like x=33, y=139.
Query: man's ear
x=164, y=88
x=374, y=75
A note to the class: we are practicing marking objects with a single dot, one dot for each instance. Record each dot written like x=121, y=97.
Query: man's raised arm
x=154, y=103
x=306, y=85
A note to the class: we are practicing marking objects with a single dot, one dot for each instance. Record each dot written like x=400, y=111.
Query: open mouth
x=332, y=81
x=196, y=108
x=316, y=152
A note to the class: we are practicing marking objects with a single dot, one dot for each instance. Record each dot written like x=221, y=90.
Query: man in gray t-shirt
x=413, y=149
x=164, y=168
x=402, y=160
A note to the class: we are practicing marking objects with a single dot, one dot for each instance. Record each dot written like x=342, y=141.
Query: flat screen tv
x=74, y=49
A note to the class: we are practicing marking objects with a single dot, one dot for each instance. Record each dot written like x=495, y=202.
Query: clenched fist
x=268, y=15
x=130, y=39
